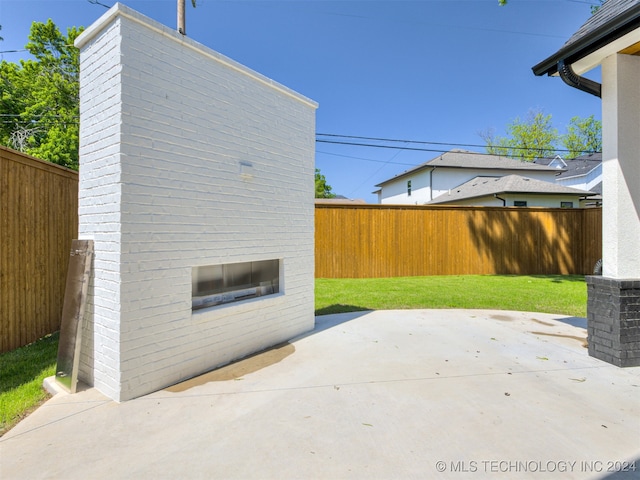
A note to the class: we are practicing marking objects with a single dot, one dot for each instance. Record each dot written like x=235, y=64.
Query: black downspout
x=504, y=202
x=574, y=80
x=431, y=183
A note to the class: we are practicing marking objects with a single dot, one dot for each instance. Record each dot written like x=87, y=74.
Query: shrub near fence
x=38, y=220
x=370, y=241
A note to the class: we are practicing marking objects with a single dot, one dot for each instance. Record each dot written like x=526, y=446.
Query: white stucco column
x=621, y=166
x=613, y=304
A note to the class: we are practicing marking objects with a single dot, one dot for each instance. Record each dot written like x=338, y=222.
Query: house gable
x=447, y=171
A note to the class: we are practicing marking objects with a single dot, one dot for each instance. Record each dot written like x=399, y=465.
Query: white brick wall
x=167, y=130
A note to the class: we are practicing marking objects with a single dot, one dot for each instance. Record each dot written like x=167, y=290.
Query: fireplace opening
x=213, y=285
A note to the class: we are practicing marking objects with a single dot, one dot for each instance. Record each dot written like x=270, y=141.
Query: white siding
x=397, y=192
x=427, y=185
x=587, y=181
x=187, y=159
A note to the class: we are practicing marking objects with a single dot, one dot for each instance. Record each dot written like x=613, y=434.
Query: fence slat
x=371, y=241
x=38, y=220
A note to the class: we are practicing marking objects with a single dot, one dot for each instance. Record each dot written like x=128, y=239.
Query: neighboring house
x=610, y=39
x=584, y=173
x=428, y=181
x=512, y=191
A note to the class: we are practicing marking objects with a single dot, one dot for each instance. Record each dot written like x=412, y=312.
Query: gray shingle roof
x=466, y=159
x=582, y=165
x=613, y=19
x=484, y=186
x=597, y=189
x=576, y=166
x=605, y=14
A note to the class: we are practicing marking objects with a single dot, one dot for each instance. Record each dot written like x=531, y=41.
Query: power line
x=365, y=159
x=34, y=115
x=366, y=180
x=422, y=149
x=96, y=2
x=332, y=138
x=399, y=140
x=417, y=142
x=393, y=147
x=586, y=2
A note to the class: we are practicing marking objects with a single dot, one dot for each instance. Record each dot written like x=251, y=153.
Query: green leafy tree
x=39, y=97
x=536, y=137
x=323, y=190
x=532, y=138
x=595, y=8
x=584, y=135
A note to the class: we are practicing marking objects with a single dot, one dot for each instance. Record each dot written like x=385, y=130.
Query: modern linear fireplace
x=214, y=285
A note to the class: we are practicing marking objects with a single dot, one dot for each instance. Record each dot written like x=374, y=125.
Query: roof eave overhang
x=588, y=51
x=397, y=177
x=506, y=192
x=573, y=194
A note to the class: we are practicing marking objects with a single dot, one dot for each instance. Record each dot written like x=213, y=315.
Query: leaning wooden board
x=75, y=298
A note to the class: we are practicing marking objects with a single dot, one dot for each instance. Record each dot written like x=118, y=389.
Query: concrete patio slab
x=385, y=394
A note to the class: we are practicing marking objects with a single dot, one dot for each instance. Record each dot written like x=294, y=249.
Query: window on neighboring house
x=566, y=204
x=409, y=188
x=519, y=203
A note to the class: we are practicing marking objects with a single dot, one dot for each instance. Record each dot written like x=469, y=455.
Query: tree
x=323, y=190
x=532, y=138
x=584, y=135
x=536, y=137
x=39, y=98
x=595, y=8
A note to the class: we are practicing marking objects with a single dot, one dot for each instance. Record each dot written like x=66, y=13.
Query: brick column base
x=613, y=320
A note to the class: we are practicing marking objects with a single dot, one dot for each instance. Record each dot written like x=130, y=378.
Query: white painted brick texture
x=187, y=159
x=99, y=210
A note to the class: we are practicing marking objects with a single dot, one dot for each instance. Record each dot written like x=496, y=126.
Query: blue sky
x=427, y=70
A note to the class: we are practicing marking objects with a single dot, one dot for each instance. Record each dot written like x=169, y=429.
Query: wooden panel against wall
x=38, y=220
x=369, y=241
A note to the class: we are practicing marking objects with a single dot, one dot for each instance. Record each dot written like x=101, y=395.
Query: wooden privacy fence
x=370, y=241
x=38, y=220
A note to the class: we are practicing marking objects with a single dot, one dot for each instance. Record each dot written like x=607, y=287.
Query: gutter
x=612, y=29
x=574, y=80
x=504, y=202
x=431, y=183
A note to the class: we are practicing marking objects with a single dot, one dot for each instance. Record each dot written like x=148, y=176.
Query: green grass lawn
x=23, y=370
x=541, y=293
